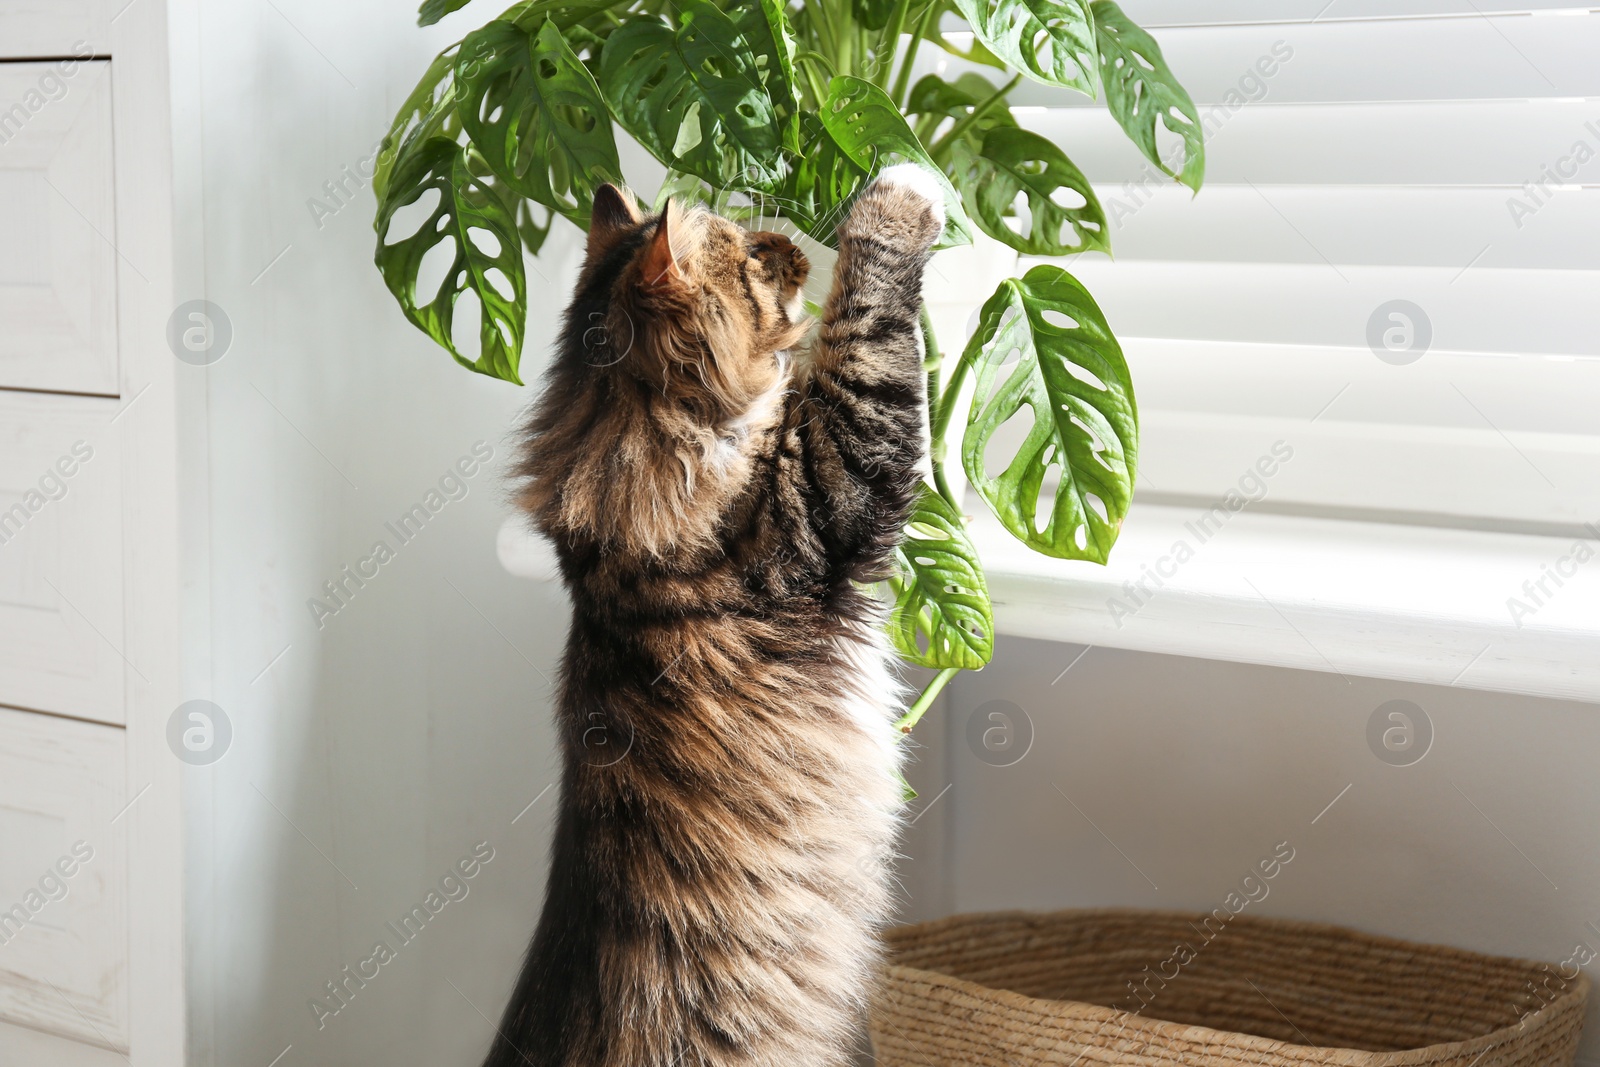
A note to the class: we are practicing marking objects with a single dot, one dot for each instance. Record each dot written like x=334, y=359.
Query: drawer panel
x=58, y=315
x=61, y=602
x=28, y=1047
x=56, y=27
x=63, y=879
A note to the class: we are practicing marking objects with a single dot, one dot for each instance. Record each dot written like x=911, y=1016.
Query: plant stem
x=942, y=410
x=884, y=56
x=903, y=80
x=914, y=713
x=947, y=404
x=844, y=39
x=933, y=363
x=932, y=357
x=817, y=57
x=826, y=38
x=807, y=63
x=982, y=108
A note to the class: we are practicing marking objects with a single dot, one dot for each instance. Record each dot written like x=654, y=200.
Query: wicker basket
x=1117, y=987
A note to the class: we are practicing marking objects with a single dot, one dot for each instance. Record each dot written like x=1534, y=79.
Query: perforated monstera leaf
x=432, y=11
x=941, y=616
x=535, y=113
x=869, y=129
x=820, y=184
x=1044, y=353
x=1140, y=89
x=685, y=188
x=974, y=52
x=1064, y=216
x=478, y=219
x=873, y=14
x=429, y=112
x=533, y=224
x=1050, y=41
x=767, y=27
x=707, y=96
x=932, y=100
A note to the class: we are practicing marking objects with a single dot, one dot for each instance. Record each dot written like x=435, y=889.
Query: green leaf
x=767, y=25
x=933, y=100
x=975, y=52
x=873, y=14
x=693, y=189
x=1140, y=88
x=687, y=188
x=535, y=113
x=1069, y=373
x=1064, y=215
x=1050, y=41
x=468, y=202
x=821, y=183
x=429, y=112
x=531, y=228
x=941, y=616
x=698, y=95
x=432, y=11
x=868, y=128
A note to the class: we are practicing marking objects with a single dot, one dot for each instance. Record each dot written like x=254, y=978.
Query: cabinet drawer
x=63, y=879
x=61, y=600
x=58, y=265
x=56, y=27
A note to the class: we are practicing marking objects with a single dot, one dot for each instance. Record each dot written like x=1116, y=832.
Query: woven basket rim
x=1196, y=1033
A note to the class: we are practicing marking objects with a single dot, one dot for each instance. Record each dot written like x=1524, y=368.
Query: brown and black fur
x=719, y=874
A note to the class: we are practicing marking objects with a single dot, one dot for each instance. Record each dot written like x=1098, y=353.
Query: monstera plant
x=786, y=108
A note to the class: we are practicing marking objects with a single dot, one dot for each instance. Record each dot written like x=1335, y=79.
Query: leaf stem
x=982, y=108
x=947, y=402
x=887, y=43
x=807, y=63
x=932, y=357
x=903, y=80
x=914, y=713
x=933, y=364
x=817, y=57
x=939, y=421
x=826, y=36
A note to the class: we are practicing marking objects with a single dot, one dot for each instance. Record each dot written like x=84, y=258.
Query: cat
x=719, y=872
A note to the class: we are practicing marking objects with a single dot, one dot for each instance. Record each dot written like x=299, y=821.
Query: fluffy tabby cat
x=728, y=795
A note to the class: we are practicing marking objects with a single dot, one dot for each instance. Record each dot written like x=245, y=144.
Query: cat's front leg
x=863, y=403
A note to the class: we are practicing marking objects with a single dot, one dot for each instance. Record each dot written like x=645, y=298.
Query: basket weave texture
x=1087, y=988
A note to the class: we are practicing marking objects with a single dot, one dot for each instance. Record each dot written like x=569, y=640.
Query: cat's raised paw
x=916, y=179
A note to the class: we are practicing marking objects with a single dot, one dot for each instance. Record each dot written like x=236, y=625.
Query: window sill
x=1410, y=603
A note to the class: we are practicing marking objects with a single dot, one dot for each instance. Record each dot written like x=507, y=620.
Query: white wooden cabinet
x=91, y=860
x=63, y=923
x=58, y=275
x=61, y=591
x=52, y=27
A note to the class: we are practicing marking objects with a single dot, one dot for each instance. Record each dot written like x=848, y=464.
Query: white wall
x=378, y=750
x=1195, y=769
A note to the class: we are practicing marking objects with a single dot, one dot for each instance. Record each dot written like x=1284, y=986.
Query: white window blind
x=1393, y=266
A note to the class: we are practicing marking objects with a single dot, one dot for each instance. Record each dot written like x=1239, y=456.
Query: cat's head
x=699, y=306
x=673, y=356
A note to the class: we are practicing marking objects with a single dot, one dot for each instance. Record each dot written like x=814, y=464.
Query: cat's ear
x=660, y=264
x=614, y=213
